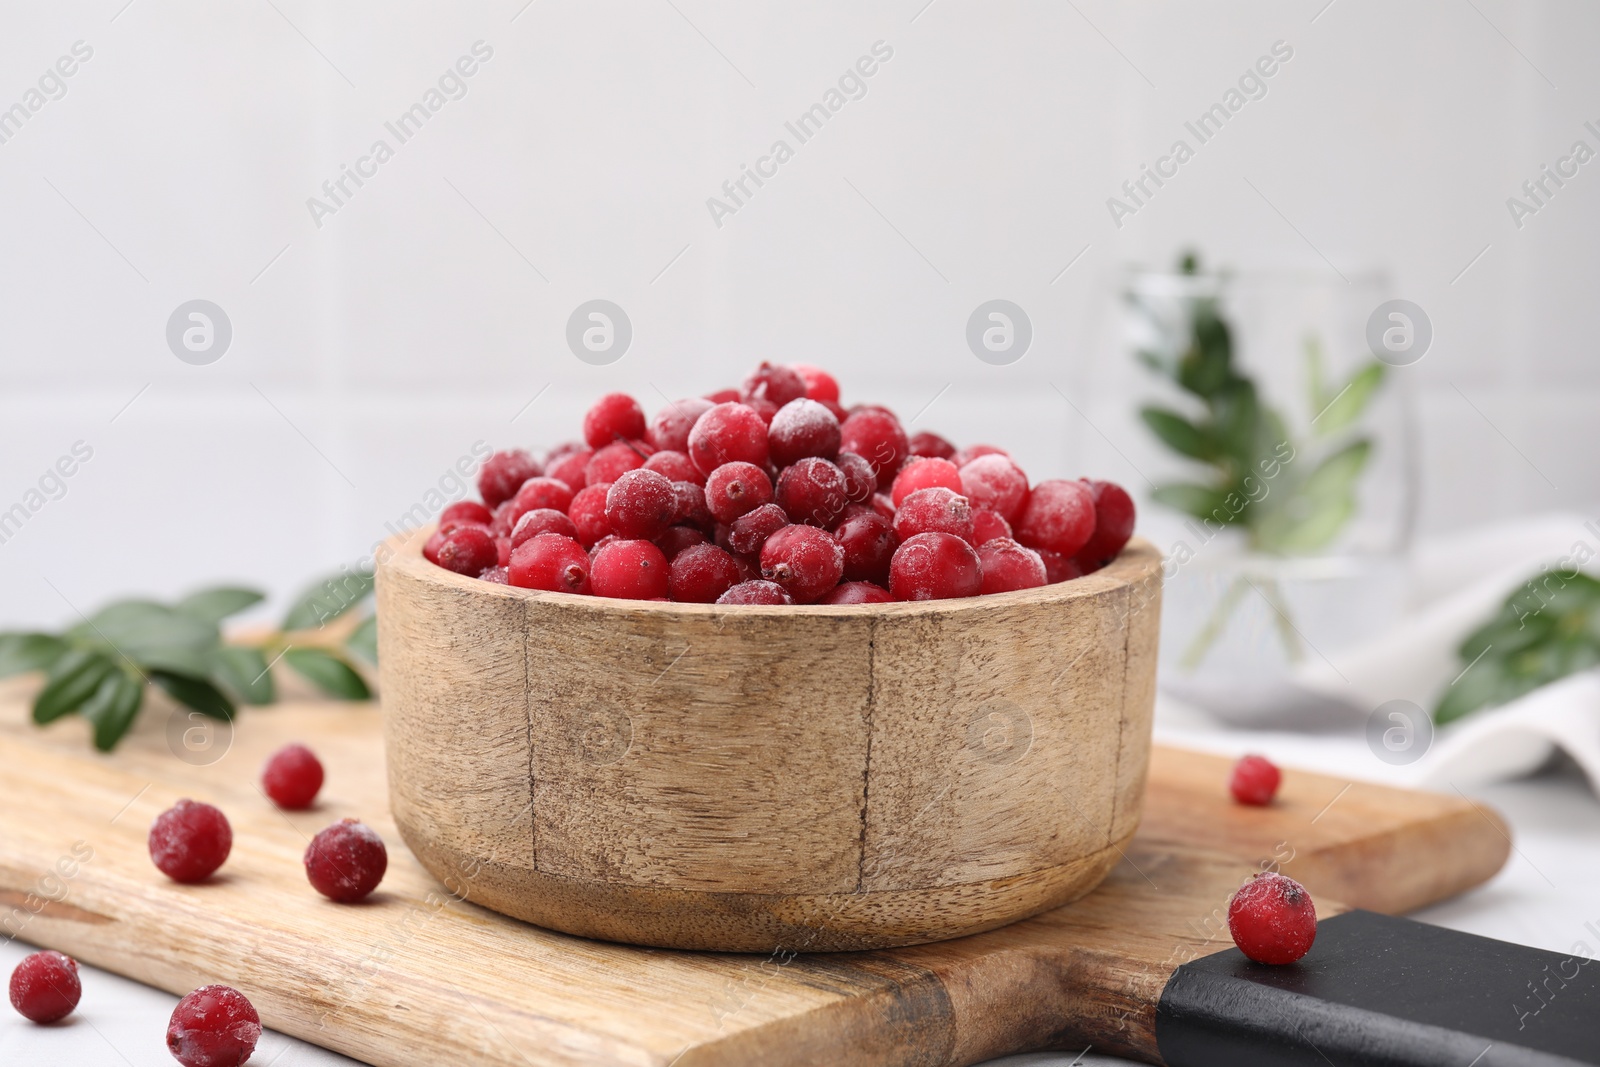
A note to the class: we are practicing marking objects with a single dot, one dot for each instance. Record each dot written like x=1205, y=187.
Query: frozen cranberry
x=966, y=455
x=935, y=566
x=1254, y=781
x=924, y=474
x=640, y=505
x=542, y=520
x=869, y=542
x=497, y=575
x=669, y=430
x=502, y=475
x=756, y=591
x=749, y=532
x=614, y=460
x=588, y=513
x=1272, y=919
x=594, y=549
x=540, y=493
x=986, y=526
x=629, y=570
x=550, y=561
x=502, y=553
x=430, y=547
x=806, y=561
x=346, y=861
x=1007, y=566
x=215, y=1026
x=565, y=448
x=702, y=573
x=723, y=396
x=1059, y=568
x=614, y=417
x=675, y=466
x=997, y=484
x=802, y=428
x=45, y=987
x=467, y=550
x=678, y=538
x=292, y=777
x=857, y=593
x=465, y=513
x=860, y=480
x=1113, y=522
x=190, y=840
x=883, y=505
x=936, y=510
x=811, y=491
x=820, y=385
x=735, y=489
x=762, y=407
x=690, y=505
x=1059, y=516
x=931, y=446
x=775, y=383
x=570, y=468
x=876, y=435
x=728, y=433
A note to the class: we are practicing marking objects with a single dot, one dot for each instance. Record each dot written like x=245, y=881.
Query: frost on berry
x=45, y=987
x=346, y=861
x=215, y=1026
x=189, y=841
x=1272, y=919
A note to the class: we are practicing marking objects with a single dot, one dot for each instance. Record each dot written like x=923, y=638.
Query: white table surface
x=1548, y=890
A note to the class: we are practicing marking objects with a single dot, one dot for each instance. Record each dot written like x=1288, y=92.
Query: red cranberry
x=1272, y=919
x=430, y=547
x=678, y=538
x=542, y=520
x=883, y=505
x=723, y=396
x=1254, y=781
x=1059, y=516
x=588, y=513
x=614, y=460
x=502, y=475
x=966, y=455
x=806, y=561
x=869, y=542
x=936, y=510
x=594, y=549
x=774, y=383
x=565, y=448
x=876, y=435
x=735, y=489
x=465, y=513
x=820, y=385
x=346, y=861
x=860, y=480
x=690, y=506
x=763, y=407
x=1113, y=522
x=924, y=474
x=540, y=493
x=497, y=575
x=190, y=840
x=728, y=433
x=675, y=466
x=1007, y=566
x=640, y=505
x=550, y=561
x=45, y=987
x=935, y=566
x=702, y=573
x=292, y=777
x=669, y=431
x=215, y=1026
x=986, y=526
x=857, y=593
x=467, y=550
x=932, y=446
x=629, y=570
x=811, y=491
x=749, y=532
x=1059, y=568
x=570, y=468
x=802, y=428
x=756, y=592
x=502, y=553
x=614, y=417
x=995, y=483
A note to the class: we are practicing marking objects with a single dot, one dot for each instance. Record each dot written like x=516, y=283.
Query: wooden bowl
x=760, y=778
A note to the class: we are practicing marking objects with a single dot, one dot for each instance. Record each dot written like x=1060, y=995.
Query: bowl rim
x=1137, y=562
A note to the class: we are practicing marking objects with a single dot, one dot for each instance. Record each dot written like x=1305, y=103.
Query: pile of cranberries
x=773, y=493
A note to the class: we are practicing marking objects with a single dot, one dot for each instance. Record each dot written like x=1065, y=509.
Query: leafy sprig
x=102, y=666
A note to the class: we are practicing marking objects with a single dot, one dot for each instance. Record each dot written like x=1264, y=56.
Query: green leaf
x=174, y=659
x=1203, y=502
x=243, y=673
x=1178, y=433
x=72, y=680
x=1240, y=428
x=1343, y=409
x=1312, y=516
x=327, y=672
x=214, y=605
x=1208, y=364
x=21, y=652
x=1336, y=475
x=113, y=708
x=1481, y=685
x=131, y=627
x=364, y=641
x=328, y=599
x=196, y=693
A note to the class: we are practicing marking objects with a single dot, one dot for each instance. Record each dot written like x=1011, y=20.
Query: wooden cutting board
x=415, y=976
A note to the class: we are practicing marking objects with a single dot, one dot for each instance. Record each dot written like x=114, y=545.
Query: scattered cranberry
x=924, y=474
x=614, y=460
x=802, y=428
x=995, y=483
x=629, y=570
x=215, y=1026
x=869, y=542
x=935, y=566
x=640, y=505
x=45, y=987
x=735, y=489
x=857, y=593
x=702, y=573
x=936, y=510
x=876, y=436
x=775, y=383
x=986, y=526
x=678, y=538
x=465, y=513
x=588, y=513
x=552, y=562
x=346, y=861
x=1008, y=566
x=676, y=466
x=190, y=840
x=569, y=469
x=931, y=446
x=728, y=433
x=539, y=521
x=806, y=561
x=1113, y=522
x=1254, y=781
x=811, y=491
x=502, y=475
x=292, y=777
x=1059, y=515
x=467, y=550
x=1272, y=919
x=749, y=532
x=756, y=592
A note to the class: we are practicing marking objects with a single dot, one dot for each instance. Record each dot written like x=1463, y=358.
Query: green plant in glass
x=1289, y=494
